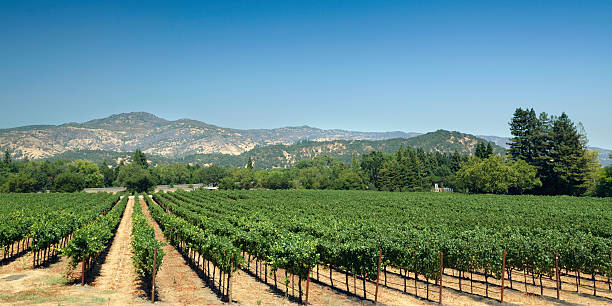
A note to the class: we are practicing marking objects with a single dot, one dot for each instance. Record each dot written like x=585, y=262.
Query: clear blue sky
x=371, y=66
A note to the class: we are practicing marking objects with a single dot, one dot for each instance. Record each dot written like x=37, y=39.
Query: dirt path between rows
x=117, y=272
x=176, y=282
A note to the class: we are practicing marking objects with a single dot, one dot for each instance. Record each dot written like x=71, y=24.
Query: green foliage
x=171, y=174
x=93, y=177
x=209, y=175
x=483, y=150
x=140, y=159
x=69, y=182
x=407, y=170
x=239, y=178
x=46, y=217
x=493, y=175
x=94, y=237
x=275, y=179
x=20, y=182
x=144, y=243
x=524, y=177
x=604, y=186
x=108, y=174
x=135, y=178
x=346, y=229
x=216, y=249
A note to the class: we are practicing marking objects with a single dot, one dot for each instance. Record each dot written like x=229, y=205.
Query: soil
x=117, y=273
x=176, y=282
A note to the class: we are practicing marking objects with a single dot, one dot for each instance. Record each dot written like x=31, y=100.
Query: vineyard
x=299, y=243
x=417, y=235
x=46, y=222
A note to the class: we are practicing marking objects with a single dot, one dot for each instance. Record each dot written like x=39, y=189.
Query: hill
x=114, y=138
x=281, y=156
x=157, y=136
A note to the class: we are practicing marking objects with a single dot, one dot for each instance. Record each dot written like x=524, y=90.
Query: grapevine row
x=89, y=241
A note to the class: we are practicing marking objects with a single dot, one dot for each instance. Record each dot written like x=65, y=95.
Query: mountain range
x=114, y=138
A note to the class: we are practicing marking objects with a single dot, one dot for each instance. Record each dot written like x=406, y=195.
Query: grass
x=55, y=280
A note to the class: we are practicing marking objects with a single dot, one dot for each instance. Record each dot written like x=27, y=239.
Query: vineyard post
x=594, y=285
x=331, y=279
x=35, y=252
x=557, y=272
x=153, y=278
x=610, y=270
x=441, y=271
x=83, y=269
x=377, y=277
x=503, y=274
x=229, y=287
x=307, y=284
x=364, y=285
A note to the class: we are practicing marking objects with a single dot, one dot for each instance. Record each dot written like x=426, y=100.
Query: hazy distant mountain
x=154, y=135
x=500, y=141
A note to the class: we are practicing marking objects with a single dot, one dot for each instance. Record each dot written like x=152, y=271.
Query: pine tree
x=140, y=159
x=569, y=157
x=479, y=151
x=7, y=159
x=524, y=128
x=489, y=149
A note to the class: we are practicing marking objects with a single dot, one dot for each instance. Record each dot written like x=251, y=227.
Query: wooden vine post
x=503, y=276
x=36, y=252
x=307, y=284
x=441, y=272
x=609, y=287
x=229, y=287
x=377, y=277
x=83, y=269
x=557, y=276
x=153, y=276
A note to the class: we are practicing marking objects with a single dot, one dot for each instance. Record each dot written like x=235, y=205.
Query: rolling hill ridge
x=114, y=138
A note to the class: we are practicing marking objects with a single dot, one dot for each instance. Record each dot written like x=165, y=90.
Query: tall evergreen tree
x=568, y=155
x=108, y=173
x=524, y=129
x=489, y=149
x=483, y=150
x=140, y=159
x=372, y=163
x=6, y=161
x=479, y=151
x=556, y=148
